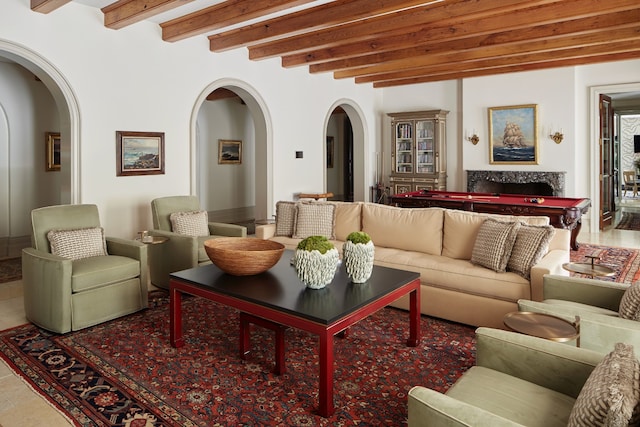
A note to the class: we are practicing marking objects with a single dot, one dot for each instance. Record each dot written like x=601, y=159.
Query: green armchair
x=65, y=286
x=596, y=302
x=517, y=380
x=181, y=251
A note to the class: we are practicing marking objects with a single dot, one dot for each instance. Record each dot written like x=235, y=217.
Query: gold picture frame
x=513, y=135
x=229, y=151
x=52, y=150
x=139, y=153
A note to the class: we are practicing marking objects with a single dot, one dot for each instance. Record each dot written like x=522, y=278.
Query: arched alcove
x=263, y=174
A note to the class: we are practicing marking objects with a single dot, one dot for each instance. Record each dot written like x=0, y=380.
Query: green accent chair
x=596, y=302
x=63, y=295
x=180, y=251
x=518, y=380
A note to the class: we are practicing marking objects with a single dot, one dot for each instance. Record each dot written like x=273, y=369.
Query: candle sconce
x=557, y=137
x=474, y=139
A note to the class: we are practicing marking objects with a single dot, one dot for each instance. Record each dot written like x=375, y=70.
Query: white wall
x=27, y=112
x=130, y=79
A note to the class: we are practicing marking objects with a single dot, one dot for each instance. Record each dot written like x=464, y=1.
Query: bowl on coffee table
x=243, y=256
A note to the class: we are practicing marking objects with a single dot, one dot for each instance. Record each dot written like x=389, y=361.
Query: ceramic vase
x=358, y=260
x=315, y=269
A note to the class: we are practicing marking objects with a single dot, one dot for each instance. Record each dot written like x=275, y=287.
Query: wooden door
x=607, y=199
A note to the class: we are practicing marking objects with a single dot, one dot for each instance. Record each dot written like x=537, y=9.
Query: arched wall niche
x=264, y=204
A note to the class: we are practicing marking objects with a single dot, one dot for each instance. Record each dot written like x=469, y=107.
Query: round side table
x=589, y=268
x=543, y=326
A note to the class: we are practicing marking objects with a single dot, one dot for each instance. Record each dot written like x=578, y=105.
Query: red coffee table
x=279, y=297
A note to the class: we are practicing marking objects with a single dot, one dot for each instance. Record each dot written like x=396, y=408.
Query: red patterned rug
x=629, y=221
x=126, y=373
x=624, y=261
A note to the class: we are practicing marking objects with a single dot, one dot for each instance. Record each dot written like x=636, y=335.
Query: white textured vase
x=358, y=260
x=316, y=270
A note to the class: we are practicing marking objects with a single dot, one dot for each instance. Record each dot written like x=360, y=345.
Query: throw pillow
x=630, y=303
x=532, y=243
x=315, y=219
x=193, y=223
x=611, y=393
x=285, y=218
x=78, y=243
x=493, y=244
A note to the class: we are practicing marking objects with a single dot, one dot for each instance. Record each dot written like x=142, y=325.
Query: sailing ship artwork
x=513, y=135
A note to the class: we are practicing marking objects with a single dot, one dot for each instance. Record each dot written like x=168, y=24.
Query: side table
x=543, y=326
x=589, y=268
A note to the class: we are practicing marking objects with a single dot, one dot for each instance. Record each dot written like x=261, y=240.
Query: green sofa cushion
x=95, y=272
x=512, y=398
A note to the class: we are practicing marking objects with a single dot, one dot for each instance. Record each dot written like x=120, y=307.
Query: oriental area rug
x=629, y=221
x=624, y=261
x=10, y=270
x=126, y=373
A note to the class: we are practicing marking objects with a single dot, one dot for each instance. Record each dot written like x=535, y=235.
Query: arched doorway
x=345, y=174
x=256, y=177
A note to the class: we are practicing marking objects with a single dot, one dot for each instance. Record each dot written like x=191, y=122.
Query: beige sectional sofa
x=438, y=243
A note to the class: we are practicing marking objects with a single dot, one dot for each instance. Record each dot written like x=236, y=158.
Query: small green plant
x=359, y=237
x=318, y=243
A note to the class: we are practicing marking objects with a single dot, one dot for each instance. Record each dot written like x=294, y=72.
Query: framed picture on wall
x=329, y=152
x=229, y=151
x=139, y=153
x=513, y=134
x=52, y=147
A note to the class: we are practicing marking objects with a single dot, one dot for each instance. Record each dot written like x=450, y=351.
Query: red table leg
x=175, y=318
x=245, y=344
x=414, y=318
x=325, y=396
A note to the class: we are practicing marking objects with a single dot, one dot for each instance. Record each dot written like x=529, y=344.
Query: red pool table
x=563, y=212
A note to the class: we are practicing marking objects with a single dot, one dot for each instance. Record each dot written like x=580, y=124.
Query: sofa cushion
x=461, y=229
x=412, y=229
x=285, y=218
x=611, y=393
x=493, y=244
x=348, y=219
x=630, y=302
x=95, y=272
x=314, y=219
x=78, y=243
x=532, y=243
x=191, y=223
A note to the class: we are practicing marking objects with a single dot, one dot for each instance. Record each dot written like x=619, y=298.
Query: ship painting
x=513, y=137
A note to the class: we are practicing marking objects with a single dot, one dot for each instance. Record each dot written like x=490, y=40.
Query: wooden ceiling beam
x=508, y=69
x=222, y=15
x=394, y=23
x=304, y=21
x=47, y=6
x=498, y=62
x=585, y=28
x=126, y=12
x=488, y=32
x=512, y=53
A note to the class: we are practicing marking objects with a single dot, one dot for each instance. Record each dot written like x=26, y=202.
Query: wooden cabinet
x=418, y=151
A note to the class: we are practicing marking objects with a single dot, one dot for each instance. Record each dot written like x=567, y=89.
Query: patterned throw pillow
x=493, y=244
x=611, y=393
x=315, y=219
x=285, y=218
x=78, y=243
x=532, y=243
x=630, y=303
x=194, y=223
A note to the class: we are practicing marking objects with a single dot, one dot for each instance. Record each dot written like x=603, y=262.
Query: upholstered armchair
x=180, y=219
x=597, y=303
x=521, y=380
x=73, y=277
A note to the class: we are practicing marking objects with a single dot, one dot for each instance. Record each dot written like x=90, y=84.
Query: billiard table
x=563, y=212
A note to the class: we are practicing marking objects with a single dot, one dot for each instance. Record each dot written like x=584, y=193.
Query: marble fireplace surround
x=493, y=181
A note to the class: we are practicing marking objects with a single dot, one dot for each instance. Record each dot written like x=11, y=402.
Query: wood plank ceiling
x=399, y=42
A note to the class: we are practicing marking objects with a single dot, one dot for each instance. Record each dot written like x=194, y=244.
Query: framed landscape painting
x=139, y=153
x=229, y=151
x=513, y=134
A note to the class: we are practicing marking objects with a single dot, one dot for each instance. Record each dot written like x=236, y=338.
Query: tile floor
x=21, y=407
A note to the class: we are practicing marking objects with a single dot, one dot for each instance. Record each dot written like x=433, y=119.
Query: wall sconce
x=474, y=139
x=557, y=137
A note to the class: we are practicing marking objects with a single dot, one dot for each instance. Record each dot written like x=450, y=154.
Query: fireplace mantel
x=555, y=180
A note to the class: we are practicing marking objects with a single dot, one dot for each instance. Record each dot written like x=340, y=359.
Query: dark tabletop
x=280, y=288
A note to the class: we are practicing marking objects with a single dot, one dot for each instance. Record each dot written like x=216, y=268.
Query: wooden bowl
x=243, y=256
